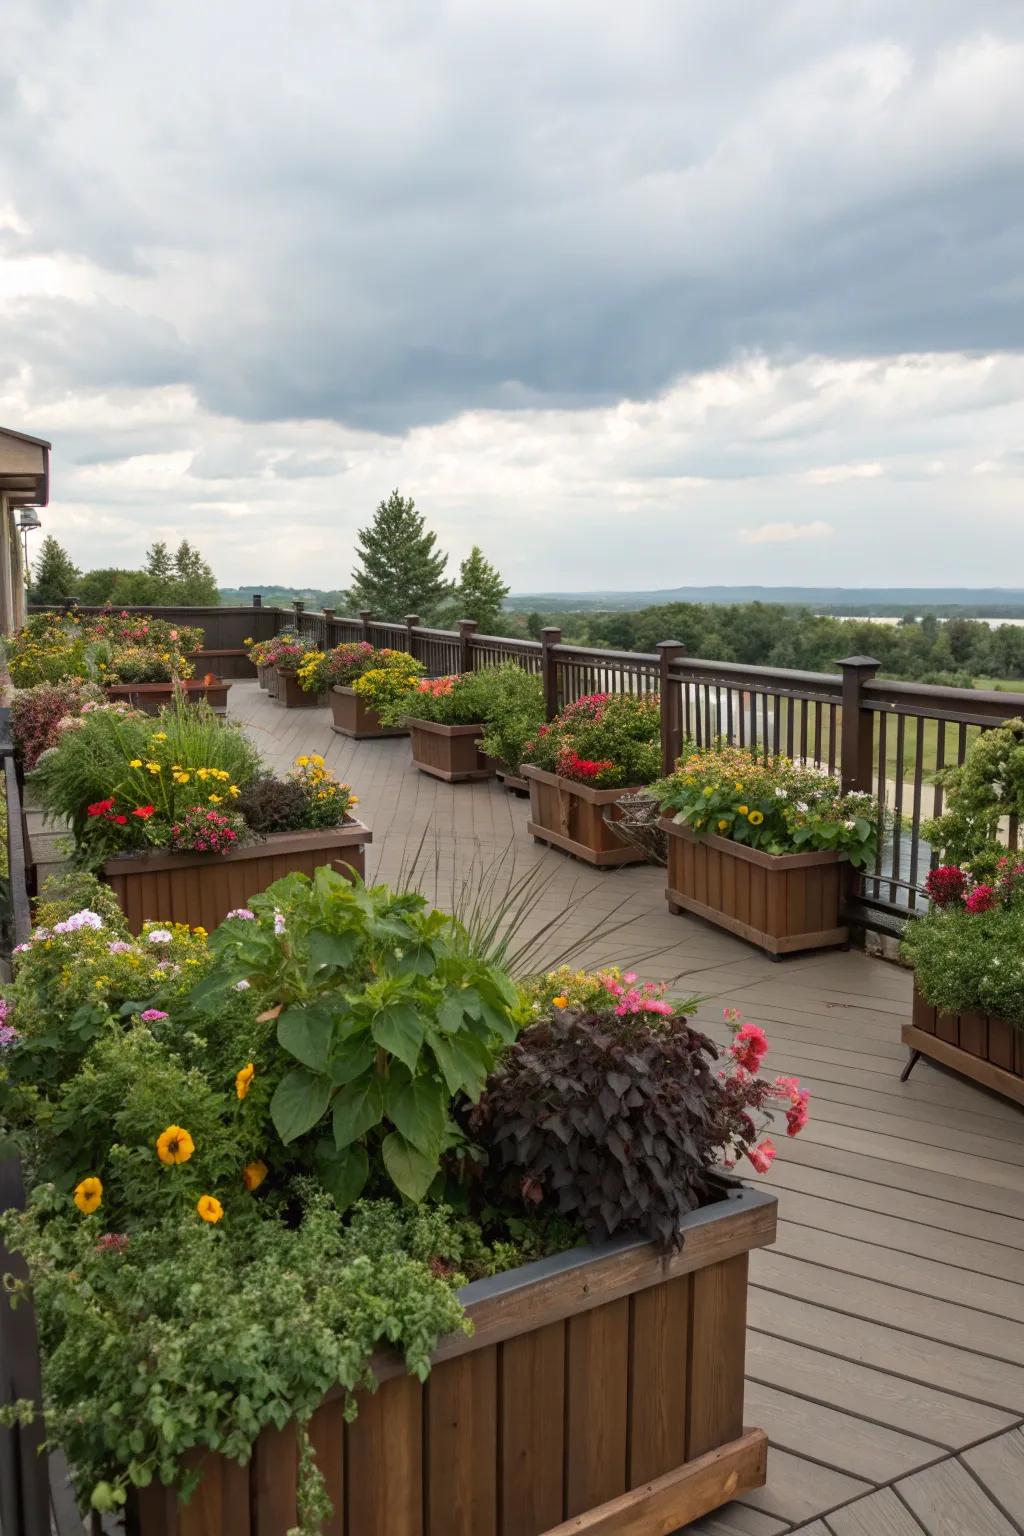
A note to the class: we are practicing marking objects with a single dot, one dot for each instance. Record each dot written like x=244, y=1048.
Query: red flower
x=144, y=812
x=763, y=1156
x=750, y=1047
x=122, y=821
x=981, y=899
x=101, y=807
x=946, y=885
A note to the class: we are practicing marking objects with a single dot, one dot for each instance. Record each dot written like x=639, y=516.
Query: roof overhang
x=24, y=469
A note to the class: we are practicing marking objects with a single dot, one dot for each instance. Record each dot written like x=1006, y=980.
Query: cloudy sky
x=679, y=291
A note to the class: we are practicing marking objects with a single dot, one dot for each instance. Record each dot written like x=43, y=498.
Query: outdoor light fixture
x=28, y=522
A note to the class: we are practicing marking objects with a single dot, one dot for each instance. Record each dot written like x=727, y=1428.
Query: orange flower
x=560, y=1002
x=174, y=1145
x=88, y=1195
x=243, y=1079
x=209, y=1208
x=253, y=1175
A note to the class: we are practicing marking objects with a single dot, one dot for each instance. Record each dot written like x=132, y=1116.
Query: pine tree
x=400, y=571
x=193, y=580
x=159, y=563
x=481, y=593
x=55, y=576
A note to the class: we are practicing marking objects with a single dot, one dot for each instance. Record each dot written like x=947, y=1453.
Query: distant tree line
x=182, y=579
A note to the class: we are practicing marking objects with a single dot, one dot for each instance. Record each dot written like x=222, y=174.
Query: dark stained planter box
x=198, y=888
x=449, y=752
x=571, y=816
x=980, y=1046
x=152, y=697
x=783, y=903
x=264, y=676
x=289, y=692
x=601, y=1392
x=350, y=716
x=232, y=663
x=513, y=782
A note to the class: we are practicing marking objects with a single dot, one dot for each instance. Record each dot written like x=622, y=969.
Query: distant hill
x=994, y=602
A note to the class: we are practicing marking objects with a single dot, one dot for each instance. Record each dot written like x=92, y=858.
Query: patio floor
x=886, y=1325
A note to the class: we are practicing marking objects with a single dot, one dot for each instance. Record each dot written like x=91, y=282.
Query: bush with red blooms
x=616, y=1119
x=37, y=714
x=206, y=831
x=609, y=740
x=946, y=885
x=968, y=950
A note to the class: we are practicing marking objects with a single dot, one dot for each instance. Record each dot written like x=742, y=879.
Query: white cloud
x=785, y=533
x=835, y=474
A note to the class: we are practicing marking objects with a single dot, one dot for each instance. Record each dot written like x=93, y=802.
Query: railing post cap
x=412, y=618
x=551, y=629
x=862, y=663
x=467, y=624
x=366, y=613
x=670, y=645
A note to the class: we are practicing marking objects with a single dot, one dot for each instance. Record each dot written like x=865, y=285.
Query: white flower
x=160, y=936
x=849, y=824
x=278, y=921
x=782, y=794
x=243, y=912
x=243, y=985
x=83, y=919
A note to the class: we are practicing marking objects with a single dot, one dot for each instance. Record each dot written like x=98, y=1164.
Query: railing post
x=298, y=603
x=671, y=705
x=329, y=614
x=365, y=615
x=467, y=629
x=856, y=764
x=257, y=599
x=412, y=622
x=550, y=636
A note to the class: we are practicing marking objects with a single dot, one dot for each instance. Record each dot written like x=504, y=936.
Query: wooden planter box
x=198, y=888
x=977, y=1045
x=287, y=691
x=264, y=676
x=153, y=697
x=571, y=816
x=601, y=1392
x=780, y=902
x=513, y=782
x=449, y=752
x=232, y=661
x=352, y=717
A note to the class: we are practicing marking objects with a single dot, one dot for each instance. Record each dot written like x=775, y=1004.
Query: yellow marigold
x=755, y=818
x=722, y=824
x=243, y=1079
x=209, y=1208
x=253, y=1175
x=560, y=1002
x=88, y=1195
x=174, y=1145
x=738, y=788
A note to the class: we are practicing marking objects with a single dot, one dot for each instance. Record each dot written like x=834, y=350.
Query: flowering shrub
x=49, y=648
x=609, y=740
x=141, y=629
x=321, y=669
x=285, y=650
x=769, y=803
x=111, y=647
x=206, y=831
x=385, y=686
x=37, y=714
x=968, y=951
x=981, y=793
x=592, y=991
x=140, y=664
x=326, y=802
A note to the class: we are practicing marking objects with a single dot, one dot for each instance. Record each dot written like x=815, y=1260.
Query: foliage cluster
x=772, y=804
x=608, y=740
x=180, y=579
x=320, y=670
x=981, y=793
x=968, y=950
x=37, y=714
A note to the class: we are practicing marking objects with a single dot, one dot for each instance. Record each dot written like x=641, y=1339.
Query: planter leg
x=915, y=1057
x=675, y=909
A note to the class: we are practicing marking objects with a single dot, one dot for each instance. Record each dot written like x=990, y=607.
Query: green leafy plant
x=38, y=713
x=968, y=950
x=981, y=793
x=512, y=704
x=612, y=741
x=386, y=686
x=769, y=803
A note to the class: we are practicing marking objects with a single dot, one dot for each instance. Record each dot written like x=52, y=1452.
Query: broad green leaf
x=417, y=961
x=451, y=1015
x=419, y=1109
x=350, y=1058
x=343, y=1174
x=410, y=1172
x=397, y=1029
x=358, y=1107
x=498, y=1020
x=300, y=1099
x=331, y=949
x=306, y=1034
x=465, y=1062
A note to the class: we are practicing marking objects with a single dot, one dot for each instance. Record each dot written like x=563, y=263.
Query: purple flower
x=243, y=912
x=21, y=949
x=278, y=922
x=160, y=936
x=77, y=920
x=152, y=1014
x=119, y=947
x=8, y=1035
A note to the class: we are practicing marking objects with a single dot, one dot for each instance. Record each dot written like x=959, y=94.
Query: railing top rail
x=533, y=646
x=881, y=693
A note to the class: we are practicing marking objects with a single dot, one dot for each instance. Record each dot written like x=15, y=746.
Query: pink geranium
x=750, y=1046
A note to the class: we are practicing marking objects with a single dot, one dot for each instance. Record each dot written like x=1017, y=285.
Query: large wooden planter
x=265, y=677
x=978, y=1045
x=601, y=1392
x=289, y=692
x=197, y=888
x=449, y=752
x=153, y=697
x=571, y=816
x=232, y=661
x=780, y=902
x=350, y=716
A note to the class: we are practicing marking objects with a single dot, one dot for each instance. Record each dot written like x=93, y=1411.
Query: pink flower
x=151, y=1015
x=787, y=1088
x=750, y=1047
x=762, y=1156
x=981, y=899
x=796, y=1114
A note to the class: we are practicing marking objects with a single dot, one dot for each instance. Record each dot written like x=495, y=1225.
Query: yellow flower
x=159, y=736
x=88, y=1195
x=200, y=930
x=243, y=1079
x=253, y=1175
x=202, y=773
x=233, y=789
x=317, y=760
x=209, y=1208
x=743, y=809
x=708, y=791
x=560, y=1002
x=723, y=824
x=136, y=762
x=174, y=1145
x=755, y=818
x=182, y=778
x=302, y=762
x=153, y=767
x=738, y=788
x=215, y=799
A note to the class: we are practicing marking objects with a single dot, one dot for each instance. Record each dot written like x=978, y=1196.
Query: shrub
x=386, y=686
x=981, y=793
x=286, y=649
x=968, y=951
x=272, y=805
x=320, y=669
x=37, y=713
x=612, y=741
x=139, y=664
x=326, y=802
x=511, y=701
x=769, y=803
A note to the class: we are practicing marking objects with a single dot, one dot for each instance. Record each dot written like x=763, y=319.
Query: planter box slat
x=988, y=1050
x=781, y=902
x=570, y=816
x=660, y=1328
x=287, y=690
x=327, y=1434
x=151, y=698
x=385, y=1444
x=461, y=1434
x=596, y=1406
x=350, y=716
x=203, y=888
x=448, y=752
x=718, y=1330
x=532, y=1443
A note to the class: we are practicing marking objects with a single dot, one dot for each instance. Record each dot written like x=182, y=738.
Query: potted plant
x=182, y=819
x=337, y=671
x=513, y=711
x=444, y=717
x=580, y=764
x=757, y=845
x=285, y=653
x=198, y=1133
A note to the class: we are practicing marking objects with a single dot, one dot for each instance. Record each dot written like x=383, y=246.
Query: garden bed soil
x=449, y=752
x=351, y=716
x=601, y=1392
x=153, y=697
x=201, y=889
x=783, y=903
x=572, y=816
x=988, y=1050
x=288, y=691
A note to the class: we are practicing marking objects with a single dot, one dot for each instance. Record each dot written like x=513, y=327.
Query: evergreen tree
x=55, y=576
x=194, y=583
x=534, y=625
x=159, y=563
x=400, y=571
x=481, y=593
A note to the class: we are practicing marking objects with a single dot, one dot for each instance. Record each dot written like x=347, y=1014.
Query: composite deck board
x=886, y=1336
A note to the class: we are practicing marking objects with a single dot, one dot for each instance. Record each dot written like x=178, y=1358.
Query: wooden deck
x=886, y=1326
